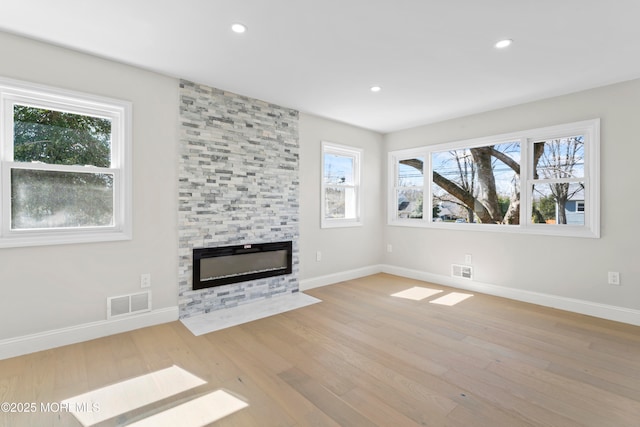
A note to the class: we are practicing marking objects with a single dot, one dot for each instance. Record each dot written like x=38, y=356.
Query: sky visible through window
x=338, y=169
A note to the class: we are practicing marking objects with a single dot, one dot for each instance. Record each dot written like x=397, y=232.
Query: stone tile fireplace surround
x=238, y=184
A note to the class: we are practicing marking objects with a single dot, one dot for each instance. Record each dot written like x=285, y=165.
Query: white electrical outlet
x=468, y=259
x=318, y=256
x=389, y=248
x=145, y=280
x=614, y=278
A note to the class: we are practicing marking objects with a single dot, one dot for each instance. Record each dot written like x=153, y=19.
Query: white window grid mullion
x=59, y=168
x=6, y=128
x=5, y=188
x=83, y=107
x=396, y=203
x=526, y=188
x=588, y=141
x=427, y=202
x=559, y=180
x=427, y=210
x=323, y=189
x=340, y=185
x=592, y=176
x=392, y=191
x=120, y=152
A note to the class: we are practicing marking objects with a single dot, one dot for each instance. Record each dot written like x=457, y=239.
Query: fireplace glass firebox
x=232, y=264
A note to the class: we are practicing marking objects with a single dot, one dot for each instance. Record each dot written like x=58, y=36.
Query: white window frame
x=356, y=155
x=396, y=188
x=591, y=228
x=40, y=96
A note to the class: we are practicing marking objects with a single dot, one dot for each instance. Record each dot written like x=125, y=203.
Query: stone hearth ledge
x=226, y=318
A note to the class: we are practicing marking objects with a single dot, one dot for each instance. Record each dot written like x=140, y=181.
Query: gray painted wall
x=347, y=248
x=561, y=266
x=53, y=287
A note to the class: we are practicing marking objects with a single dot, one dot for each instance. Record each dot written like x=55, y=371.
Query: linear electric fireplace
x=232, y=264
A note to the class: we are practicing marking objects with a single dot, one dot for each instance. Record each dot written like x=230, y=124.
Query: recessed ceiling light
x=375, y=88
x=238, y=28
x=504, y=43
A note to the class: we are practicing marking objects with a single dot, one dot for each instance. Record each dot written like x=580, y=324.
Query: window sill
x=62, y=238
x=533, y=229
x=341, y=224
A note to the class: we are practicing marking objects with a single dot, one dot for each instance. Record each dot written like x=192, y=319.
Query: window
x=340, y=186
x=476, y=184
x=543, y=181
x=65, y=166
x=409, y=187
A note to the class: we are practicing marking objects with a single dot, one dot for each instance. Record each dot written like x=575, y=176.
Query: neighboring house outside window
x=340, y=204
x=540, y=181
x=574, y=210
x=65, y=161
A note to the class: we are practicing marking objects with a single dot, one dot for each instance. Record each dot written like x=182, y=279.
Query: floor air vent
x=128, y=304
x=462, y=271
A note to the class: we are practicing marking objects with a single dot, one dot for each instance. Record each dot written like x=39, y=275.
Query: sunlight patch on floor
x=416, y=293
x=197, y=412
x=450, y=299
x=107, y=402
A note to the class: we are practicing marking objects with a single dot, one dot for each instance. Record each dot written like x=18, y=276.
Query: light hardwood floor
x=364, y=358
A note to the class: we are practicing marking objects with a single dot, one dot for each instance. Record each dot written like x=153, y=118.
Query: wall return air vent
x=124, y=305
x=462, y=271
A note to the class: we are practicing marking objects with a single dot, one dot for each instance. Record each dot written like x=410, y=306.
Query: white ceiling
x=434, y=59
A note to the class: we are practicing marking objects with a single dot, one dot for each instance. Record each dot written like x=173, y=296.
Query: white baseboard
x=12, y=347
x=330, y=279
x=604, y=311
x=18, y=346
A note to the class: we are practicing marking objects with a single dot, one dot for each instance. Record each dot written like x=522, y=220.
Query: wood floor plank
x=571, y=398
x=365, y=358
x=253, y=366
x=337, y=408
x=503, y=395
x=477, y=411
x=378, y=409
x=334, y=376
x=69, y=381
